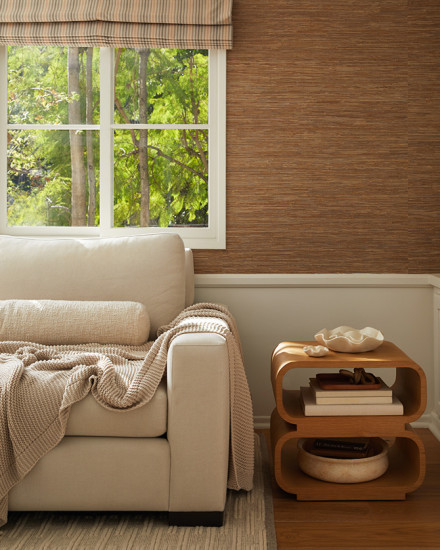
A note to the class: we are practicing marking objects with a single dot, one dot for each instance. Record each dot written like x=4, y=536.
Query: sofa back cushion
x=146, y=269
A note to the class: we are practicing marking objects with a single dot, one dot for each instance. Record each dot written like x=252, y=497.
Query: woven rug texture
x=248, y=525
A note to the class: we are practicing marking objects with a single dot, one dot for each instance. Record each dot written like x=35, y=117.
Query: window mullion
x=106, y=140
x=3, y=137
x=31, y=127
x=217, y=145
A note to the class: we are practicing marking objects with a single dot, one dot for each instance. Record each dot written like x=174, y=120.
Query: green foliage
x=40, y=206
x=38, y=88
x=39, y=177
x=39, y=162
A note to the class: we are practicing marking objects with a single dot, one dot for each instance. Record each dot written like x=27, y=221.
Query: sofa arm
x=198, y=422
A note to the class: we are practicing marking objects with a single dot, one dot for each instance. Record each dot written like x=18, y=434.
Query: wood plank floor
x=410, y=524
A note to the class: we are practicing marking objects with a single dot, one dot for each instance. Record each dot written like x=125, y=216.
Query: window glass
x=168, y=167
x=44, y=81
x=158, y=86
x=42, y=189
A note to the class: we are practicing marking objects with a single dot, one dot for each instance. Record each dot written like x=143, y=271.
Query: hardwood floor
x=410, y=524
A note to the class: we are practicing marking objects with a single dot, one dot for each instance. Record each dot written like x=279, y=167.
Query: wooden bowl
x=344, y=470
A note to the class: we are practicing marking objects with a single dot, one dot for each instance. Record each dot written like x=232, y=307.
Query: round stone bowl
x=344, y=470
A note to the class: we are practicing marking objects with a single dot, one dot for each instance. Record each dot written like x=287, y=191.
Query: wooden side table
x=288, y=423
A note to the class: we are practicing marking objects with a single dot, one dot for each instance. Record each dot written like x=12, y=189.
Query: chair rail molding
x=282, y=280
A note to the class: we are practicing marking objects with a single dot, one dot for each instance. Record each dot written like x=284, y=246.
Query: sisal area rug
x=248, y=525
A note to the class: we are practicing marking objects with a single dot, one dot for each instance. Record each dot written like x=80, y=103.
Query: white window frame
x=211, y=237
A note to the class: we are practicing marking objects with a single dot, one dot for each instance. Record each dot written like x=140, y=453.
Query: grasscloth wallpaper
x=333, y=138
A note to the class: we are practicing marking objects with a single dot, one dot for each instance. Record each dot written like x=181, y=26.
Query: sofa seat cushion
x=89, y=418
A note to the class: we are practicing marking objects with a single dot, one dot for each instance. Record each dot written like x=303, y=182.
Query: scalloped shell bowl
x=316, y=351
x=350, y=340
x=337, y=470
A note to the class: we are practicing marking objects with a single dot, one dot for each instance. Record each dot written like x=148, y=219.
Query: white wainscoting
x=273, y=308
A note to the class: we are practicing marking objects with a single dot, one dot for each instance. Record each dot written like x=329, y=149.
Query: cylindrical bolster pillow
x=74, y=322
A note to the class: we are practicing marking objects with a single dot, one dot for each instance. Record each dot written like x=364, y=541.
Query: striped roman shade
x=202, y=24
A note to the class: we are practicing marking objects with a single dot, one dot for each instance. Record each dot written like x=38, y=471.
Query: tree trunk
x=143, y=139
x=76, y=143
x=89, y=140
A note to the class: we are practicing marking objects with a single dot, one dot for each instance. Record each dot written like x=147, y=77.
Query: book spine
x=335, y=448
x=381, y=400
x=311, y=408
x=336, y=444
x=384, y=391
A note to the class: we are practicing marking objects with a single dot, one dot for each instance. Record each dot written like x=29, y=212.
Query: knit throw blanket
x=39, y=384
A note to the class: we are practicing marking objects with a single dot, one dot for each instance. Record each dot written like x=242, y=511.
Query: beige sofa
x=170, y=454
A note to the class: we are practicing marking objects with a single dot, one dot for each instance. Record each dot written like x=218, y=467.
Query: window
x=103, y=141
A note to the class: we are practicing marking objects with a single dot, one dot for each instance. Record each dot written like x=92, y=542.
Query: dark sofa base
x=206, y=519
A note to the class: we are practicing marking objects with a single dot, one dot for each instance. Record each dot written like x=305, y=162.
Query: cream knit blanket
x=39, y=384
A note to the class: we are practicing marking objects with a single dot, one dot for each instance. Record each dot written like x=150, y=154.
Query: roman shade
x=202, y=24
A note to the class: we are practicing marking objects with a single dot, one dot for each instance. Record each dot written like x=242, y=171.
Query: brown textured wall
x=333, y=138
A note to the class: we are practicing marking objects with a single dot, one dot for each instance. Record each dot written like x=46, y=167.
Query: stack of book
x=359, y=400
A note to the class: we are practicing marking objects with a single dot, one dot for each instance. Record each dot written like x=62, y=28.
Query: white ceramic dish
x=343, y=470
x=316, y=351
x=350, y=340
